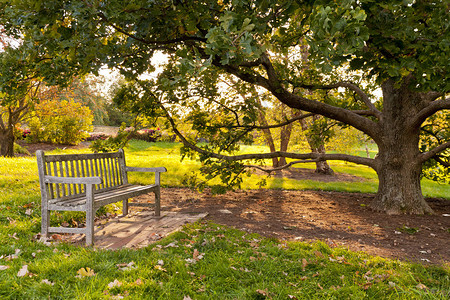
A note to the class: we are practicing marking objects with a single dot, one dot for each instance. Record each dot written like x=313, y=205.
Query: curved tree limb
x=442, y=162
x=281, y=167
x=302, y=156
x=149, y=42
x=351, y=86
x=287, y=122
x=431, y=109
x=273, y=85
x=427, y=155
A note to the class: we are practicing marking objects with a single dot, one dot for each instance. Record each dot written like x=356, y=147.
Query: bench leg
x=157, y=202
x=90, y=228
x=45, y=222
x=125, y=207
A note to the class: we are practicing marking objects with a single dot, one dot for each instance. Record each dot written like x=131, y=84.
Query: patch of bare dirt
x=340, y=219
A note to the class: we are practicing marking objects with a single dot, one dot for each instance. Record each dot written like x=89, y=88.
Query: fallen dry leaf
x=197, y=255
x=262, y=292
x=3, y=268
x=172, y=245
x=422, y=286
x=46, y=281
x=23, y=271
x=115, y=283
x=88, y=272
x=13, y=236
x=304, y=264
x=126, y=266
x=158, y=267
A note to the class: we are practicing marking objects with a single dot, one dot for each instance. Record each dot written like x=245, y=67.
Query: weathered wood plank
x=64, y=157
x=85, y=182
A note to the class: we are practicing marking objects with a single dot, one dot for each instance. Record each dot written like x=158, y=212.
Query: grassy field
x=203, y=261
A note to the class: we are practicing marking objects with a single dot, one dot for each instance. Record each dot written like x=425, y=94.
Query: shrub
x=97, y=136
x=148, y=135
x=112, y=143
x=60, y=122
x=20, y=150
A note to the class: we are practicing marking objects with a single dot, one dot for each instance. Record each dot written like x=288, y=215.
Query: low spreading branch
x=442, y=162
x=273, y=85
x=281, y=167
x=351, y=86
x=430, y=154
x=300, y=156
x=431, y=109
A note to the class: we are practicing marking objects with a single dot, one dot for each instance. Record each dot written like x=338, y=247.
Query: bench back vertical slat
x=66, y=168
x=55, y=173
x=99, y=161
x=108, y=166
x=91, y=163
x=48, y=171
x=116, y=171
x=61, y=171
x=116, y=179
x=108, y=170
x=111, y=171
x=72, y=173
x=122, y=167
x=97, y=186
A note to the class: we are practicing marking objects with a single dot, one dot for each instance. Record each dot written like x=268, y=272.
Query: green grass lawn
x=203, y=261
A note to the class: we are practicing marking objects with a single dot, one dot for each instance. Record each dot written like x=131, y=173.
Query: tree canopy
x=400, y=46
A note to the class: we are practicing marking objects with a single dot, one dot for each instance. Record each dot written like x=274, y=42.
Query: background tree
x=58, y=121
x=402, y=46
x=82, y=90
x=18, y=88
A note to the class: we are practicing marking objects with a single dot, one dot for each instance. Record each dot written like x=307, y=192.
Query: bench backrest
x=108, y=166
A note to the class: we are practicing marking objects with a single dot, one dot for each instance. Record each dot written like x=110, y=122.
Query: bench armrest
x=136, y=169
x=156, y=170
x=73, y=180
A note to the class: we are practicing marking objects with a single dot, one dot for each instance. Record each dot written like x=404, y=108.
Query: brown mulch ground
x=340, y=219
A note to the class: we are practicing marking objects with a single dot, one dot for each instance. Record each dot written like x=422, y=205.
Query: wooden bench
x=86, y=182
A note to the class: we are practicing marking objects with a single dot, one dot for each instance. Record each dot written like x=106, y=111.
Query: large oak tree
x=402, y=46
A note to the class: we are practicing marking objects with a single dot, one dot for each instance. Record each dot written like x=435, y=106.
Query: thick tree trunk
x=399, y=188
x=285, y=138
x=398, y=161
x=268, y=136
x=322, y=167
x=7, y=143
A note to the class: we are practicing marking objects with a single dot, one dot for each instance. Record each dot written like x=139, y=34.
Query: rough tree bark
x=7, y=142
x=322, y=167
x=398, y=162
x=268, y=136
x=10, y=116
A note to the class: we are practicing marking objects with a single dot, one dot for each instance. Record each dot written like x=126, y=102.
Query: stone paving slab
x=138, y=229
